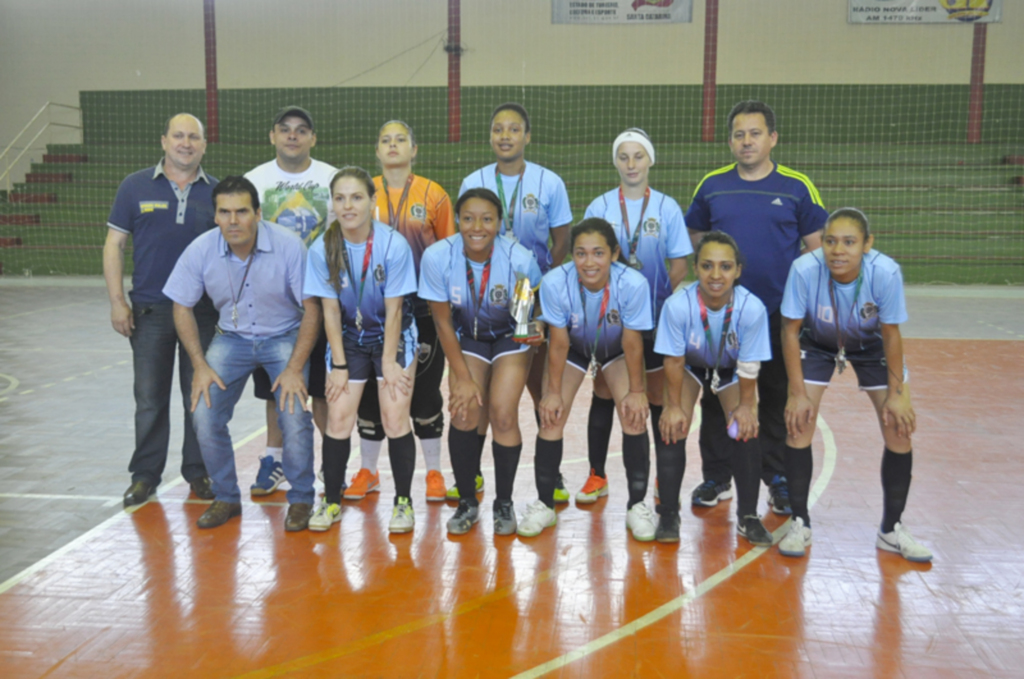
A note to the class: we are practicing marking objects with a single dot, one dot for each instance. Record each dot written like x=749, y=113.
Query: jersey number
x=825, y=314
x=456, y=295
x=696, y=339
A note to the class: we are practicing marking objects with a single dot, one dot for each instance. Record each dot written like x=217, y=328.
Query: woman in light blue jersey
x=842, y=306
x=363, y=270
x=469, y=280
x=655, y=242
x=596, y=310
x=713, y=335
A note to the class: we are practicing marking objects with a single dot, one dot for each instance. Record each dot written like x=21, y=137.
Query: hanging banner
x=621, y=11
x=925, y=11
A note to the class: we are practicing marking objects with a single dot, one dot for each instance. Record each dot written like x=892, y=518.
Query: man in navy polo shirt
x=253, y=271
x=163, y=209
x=775, y=214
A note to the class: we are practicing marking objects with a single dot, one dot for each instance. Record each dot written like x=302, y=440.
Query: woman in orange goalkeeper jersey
x=422, y=212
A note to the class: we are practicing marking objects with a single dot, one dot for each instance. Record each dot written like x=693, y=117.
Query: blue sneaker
x=269, y=477
x=778, y=495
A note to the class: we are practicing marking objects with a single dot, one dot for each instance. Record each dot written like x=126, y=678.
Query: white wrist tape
x=748, y=369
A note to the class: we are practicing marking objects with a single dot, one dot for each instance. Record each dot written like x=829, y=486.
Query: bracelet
x=343, y=366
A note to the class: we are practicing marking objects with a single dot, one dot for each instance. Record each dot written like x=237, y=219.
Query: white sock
x=432, y=453
x=271, y=452
x=370, y=452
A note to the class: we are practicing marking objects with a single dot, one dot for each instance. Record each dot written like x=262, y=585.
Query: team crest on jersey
x=868, y=310
x=418, y=211
x=378, y=274
x=530, y=203
x=732, y=341
x=613, y=317
x=652, y=227
x=499, y=295
x=423, y=355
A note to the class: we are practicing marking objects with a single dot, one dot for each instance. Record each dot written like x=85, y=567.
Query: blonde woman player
x=420, y=210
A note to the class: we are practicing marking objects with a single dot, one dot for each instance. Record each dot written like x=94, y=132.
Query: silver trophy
x=522, y=310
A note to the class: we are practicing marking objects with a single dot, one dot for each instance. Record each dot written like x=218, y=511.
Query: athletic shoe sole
x=590, y=498
x=884, y=545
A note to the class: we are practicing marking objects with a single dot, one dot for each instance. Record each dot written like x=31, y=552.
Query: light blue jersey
x=880, y=300
x=663, y=235
x=629, y=306
x=443, y=279
x=541, y=203
x=681, y=331
x=391, y=273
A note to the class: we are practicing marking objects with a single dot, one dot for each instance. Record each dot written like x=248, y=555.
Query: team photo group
x=349, y=298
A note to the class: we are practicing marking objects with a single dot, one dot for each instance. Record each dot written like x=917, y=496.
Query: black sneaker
x=778, y=495
x=504, y=518
x=754, y=531
x=668, y=527
x=709, y=493
x=464, y=518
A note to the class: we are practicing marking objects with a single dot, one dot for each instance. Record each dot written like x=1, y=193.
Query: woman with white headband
x=654, y=241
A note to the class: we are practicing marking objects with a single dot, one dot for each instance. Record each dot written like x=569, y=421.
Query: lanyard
x=840, y=340
x=635, y=238
x=723, y=339
x=510, y=212
x=394, y=215
x=362, y=279
x=471, y=282
x=235, y=298
x=600, y=315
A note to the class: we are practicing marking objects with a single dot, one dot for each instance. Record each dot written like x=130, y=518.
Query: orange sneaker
x=594, y=488
x=436, y=491
x=363, y=483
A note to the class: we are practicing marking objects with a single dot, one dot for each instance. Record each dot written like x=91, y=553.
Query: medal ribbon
x=366, y=266
x=600, y=315
x=840, y=340
x=471, y=282
x=510, y=212
x=635, y=238
x=707, y=326
x=395, y=215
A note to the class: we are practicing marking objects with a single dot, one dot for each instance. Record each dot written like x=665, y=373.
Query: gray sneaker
x=464, y=518
x=504, y=518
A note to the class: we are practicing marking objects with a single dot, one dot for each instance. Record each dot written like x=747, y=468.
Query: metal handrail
x=11, y=165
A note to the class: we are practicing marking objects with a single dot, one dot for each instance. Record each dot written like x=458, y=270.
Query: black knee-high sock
x=506, y=462
x=402, y=452
x=896, y=469
x=335, y=459
x=464, y=448
x=599, y=432
x=479, y=456
x=745, y=457
x=671, y=463
x=547, y=460
x=799, y=468
x=636, y=456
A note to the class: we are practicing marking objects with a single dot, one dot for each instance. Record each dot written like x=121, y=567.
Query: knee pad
x=369, y=430
x=432, y=428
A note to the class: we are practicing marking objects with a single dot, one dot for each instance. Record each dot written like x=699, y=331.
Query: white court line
x=101, y=528
x=707, y=585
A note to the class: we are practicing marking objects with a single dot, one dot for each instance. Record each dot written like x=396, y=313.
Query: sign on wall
x=621, y=11
x=925, y=11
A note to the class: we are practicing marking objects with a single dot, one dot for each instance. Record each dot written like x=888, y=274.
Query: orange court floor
x=144, y=593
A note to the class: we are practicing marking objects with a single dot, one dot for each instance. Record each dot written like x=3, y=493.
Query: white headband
x=633, y=135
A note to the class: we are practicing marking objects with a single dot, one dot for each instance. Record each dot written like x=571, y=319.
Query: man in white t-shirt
x=294, y=191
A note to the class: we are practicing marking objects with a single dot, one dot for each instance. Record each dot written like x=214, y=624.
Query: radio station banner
x=621, y=11
x=925, y=11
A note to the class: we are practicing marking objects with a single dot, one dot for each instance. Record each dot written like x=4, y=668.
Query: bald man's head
x=184, y=143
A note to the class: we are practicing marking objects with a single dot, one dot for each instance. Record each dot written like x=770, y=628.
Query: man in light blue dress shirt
x=253, y=271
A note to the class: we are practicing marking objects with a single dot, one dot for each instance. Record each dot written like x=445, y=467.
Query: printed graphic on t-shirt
x=300, y=206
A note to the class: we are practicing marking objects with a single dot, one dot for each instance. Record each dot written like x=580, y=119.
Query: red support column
x=707, y=125
x=454, y=50
x=976, y=107
x=210, y=35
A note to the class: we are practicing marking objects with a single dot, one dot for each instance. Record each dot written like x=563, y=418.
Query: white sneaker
x=902, y=542
x=641, y=522
x=797, y=540
x=325, y=515
x=402, y=517
x=538, y=516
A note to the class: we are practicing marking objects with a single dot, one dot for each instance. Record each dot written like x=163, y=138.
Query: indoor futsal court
x=917, y=125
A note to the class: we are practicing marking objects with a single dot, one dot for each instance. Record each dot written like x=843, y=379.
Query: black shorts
x=317, y=373
x=582, y=363
x=364, y=360
x=489, y=351
x=726, y=377
x=652, y=361
x=819, y=364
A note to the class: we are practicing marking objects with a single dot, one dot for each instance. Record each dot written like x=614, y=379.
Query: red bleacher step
x=65, y=158
x=33, y=198
x=1013, y=160
x=10, y=241
x=19, y=220
x=48, y=177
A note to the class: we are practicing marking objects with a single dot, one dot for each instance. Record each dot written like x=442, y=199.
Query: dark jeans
x=772, y=392
x=154, y=345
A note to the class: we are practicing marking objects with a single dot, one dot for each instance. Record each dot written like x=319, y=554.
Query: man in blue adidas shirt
x=775, y=214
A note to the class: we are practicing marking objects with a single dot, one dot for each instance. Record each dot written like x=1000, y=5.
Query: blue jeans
x=154, y=345
x=234, y=358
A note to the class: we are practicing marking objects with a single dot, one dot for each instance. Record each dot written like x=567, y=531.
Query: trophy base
x=525, y=333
